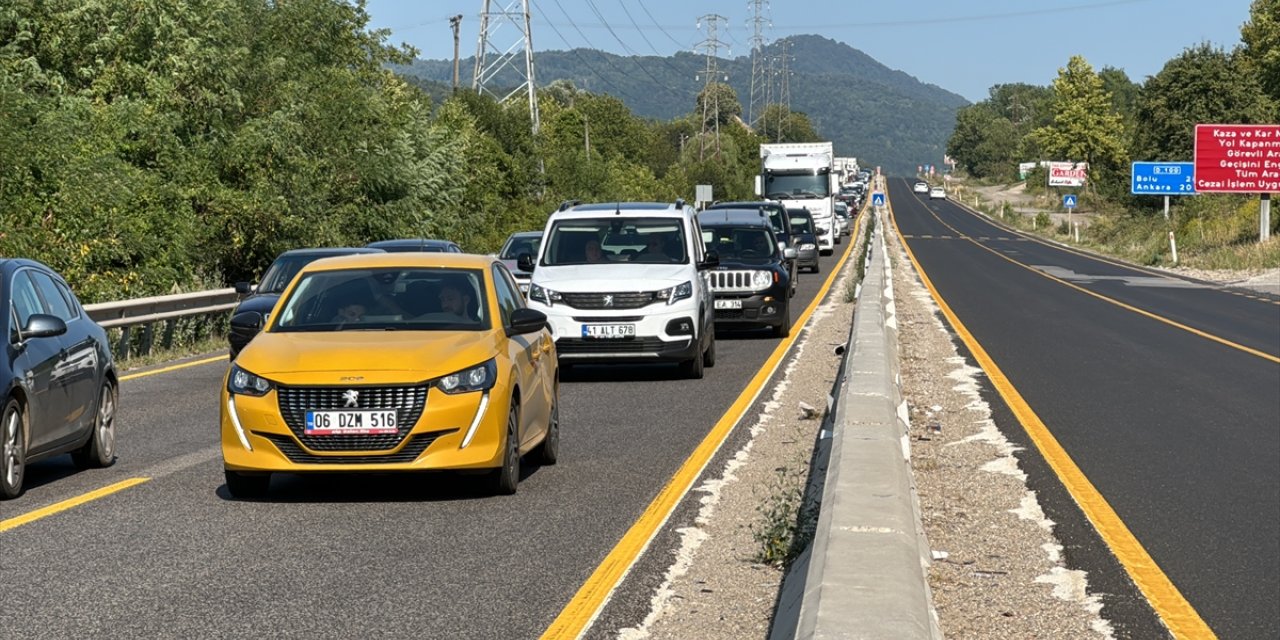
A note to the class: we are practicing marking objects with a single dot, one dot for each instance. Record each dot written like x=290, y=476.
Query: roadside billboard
x=1068, y=174
x=1237, y=158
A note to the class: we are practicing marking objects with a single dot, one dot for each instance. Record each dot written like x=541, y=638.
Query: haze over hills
x=867, y=109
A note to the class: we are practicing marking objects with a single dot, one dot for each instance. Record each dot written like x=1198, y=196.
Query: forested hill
x=867, y=109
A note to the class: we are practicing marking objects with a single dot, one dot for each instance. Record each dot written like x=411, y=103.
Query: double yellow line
x=1174, y=609
x=591, y=597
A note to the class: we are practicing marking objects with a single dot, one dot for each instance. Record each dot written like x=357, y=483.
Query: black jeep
x=752, y=285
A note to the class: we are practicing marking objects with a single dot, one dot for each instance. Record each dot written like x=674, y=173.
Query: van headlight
x=478, y=378
x=676, y=293
x=544, y=295
x=808, y=246
x=245, y=383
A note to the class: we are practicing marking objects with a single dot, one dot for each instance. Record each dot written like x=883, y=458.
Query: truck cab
x=802, y=176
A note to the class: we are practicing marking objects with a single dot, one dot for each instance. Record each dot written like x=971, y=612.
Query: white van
x=626, y=282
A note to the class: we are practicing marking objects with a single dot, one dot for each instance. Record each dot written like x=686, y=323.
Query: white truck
x=801, y=175
x=847, y=169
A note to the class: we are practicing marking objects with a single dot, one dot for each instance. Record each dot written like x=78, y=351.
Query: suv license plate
x=350, y=423
x=608, y=330
x=728, y=304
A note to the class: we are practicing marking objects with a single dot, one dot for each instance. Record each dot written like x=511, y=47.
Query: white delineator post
x=1173, y=246
x=1264, y=218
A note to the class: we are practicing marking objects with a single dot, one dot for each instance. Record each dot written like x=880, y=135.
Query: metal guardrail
x=127, y=315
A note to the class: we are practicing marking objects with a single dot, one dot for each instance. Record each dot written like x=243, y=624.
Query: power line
x=656, y=82
x=664, y=31
x=710, y=94
x=575, y=51
x=623, y=4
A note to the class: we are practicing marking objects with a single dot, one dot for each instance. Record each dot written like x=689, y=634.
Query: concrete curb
x=865, y=574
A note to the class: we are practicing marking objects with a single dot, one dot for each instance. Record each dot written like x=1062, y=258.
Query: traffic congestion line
x=69, y=503
x=1154, y=316
x=1168, y=602
x=184, y=365
x=582, y=610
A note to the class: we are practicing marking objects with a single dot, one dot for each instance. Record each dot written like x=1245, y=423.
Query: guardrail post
x=148, y=333
x=167, y=341
x=122, y=350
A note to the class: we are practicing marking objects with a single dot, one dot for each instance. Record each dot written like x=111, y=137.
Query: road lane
x=1180, y=434
x=339, y=555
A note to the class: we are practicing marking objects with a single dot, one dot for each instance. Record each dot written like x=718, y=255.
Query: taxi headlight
x=245, y=383
x=478, y=378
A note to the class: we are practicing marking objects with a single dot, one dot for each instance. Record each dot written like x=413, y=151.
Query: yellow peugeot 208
x=392, y=362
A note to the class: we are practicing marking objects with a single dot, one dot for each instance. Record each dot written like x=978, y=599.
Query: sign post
x=1163, y=178
x=1069, y=201
x=1240, y=158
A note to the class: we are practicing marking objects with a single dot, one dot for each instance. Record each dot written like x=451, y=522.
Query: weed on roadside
x=787, y=524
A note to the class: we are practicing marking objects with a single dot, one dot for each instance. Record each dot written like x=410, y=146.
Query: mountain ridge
x=867, y=109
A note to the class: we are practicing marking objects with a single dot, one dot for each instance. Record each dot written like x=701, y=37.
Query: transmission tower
x=492, y=60
x=784, y=87
x=759, y=74
x=711, y=74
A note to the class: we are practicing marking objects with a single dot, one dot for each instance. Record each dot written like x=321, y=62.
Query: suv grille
x=623, y=300
x=295, y=402
x=725, y=281
x=410, y=452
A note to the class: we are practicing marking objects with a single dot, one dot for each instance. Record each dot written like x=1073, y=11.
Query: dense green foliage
x=147, y=147
x=865, y=108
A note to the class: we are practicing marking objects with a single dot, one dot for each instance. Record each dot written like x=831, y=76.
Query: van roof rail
x=680, y=203
x=568, y=204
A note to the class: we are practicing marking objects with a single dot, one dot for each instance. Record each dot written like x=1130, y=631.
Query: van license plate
x=608, y=330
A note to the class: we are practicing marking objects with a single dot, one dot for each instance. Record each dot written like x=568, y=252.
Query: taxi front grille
x=408, y=402
x=410, y=452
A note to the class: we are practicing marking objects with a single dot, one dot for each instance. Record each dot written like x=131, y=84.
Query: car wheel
x=815, y=269
x=693, y=367
x=709, y=356
x=247, y=485
x=784, y=328
x=13, y=450
x=548, y=451
x=100, y=450
x=506, y=479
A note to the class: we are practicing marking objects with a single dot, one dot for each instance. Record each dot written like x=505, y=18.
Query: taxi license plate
x=728, y=304
x=350, y=423
x=608, y=330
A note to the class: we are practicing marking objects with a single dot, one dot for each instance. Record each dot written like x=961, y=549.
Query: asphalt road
x=1174, y=416
x=349, y=556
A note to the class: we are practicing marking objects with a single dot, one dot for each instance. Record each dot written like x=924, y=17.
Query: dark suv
x=752, y=285
x=778, y=219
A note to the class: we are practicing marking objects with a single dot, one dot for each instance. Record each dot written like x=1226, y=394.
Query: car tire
x=247, y=486
x=784, y=328
x=548, y=451
x=100, y=450
x=709, y=356
x=13, y=449
x=815, y=269
x=504, y=480
x=693, y=367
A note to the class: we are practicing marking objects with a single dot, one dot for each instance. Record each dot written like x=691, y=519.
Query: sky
x=962, y=47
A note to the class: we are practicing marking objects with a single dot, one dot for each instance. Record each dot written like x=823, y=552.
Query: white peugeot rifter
x=626, y=282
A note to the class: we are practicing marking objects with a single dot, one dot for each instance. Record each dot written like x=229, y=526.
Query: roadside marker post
x=1069, y=201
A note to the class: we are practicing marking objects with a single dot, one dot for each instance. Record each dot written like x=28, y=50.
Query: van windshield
x=615, y=239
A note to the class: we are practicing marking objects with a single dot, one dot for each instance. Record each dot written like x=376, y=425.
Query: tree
x=1085, y=124
x=1261, y=36
x=1204, y=84
x=720, y=104
x=779, y=124
x=984, y=143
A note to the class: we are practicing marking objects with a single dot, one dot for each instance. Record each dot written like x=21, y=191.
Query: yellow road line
x=1123, y=305
x=1174, y=610
x=1097, y=258
x=185, y=365
x=591, y=597
x=59, y=507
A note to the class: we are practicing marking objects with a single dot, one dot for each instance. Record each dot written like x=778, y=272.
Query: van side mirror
x=524, y=262
x=244, y=288
x=790, y=253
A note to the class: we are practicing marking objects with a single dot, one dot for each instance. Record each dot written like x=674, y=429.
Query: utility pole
x=759, y=77
x=710, y=95
x=492, y=60
x=454, y=23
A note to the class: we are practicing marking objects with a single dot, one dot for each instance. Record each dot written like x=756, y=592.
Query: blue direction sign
x=1069, y=200
x=1163, y=178
x=877, y=198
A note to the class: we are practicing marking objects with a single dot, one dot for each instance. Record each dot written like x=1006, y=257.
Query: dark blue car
x=57, y=374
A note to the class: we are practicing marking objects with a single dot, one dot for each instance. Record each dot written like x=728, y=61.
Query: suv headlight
x=761, y=280
x=247, y=384
x=478, y=378
x=544, y=295
x=678, y=292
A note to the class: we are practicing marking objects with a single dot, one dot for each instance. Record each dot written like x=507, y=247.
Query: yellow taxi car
x=392, y=362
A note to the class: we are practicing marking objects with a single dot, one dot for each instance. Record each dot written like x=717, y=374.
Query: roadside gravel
x=997, y=570
x=716, y=588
